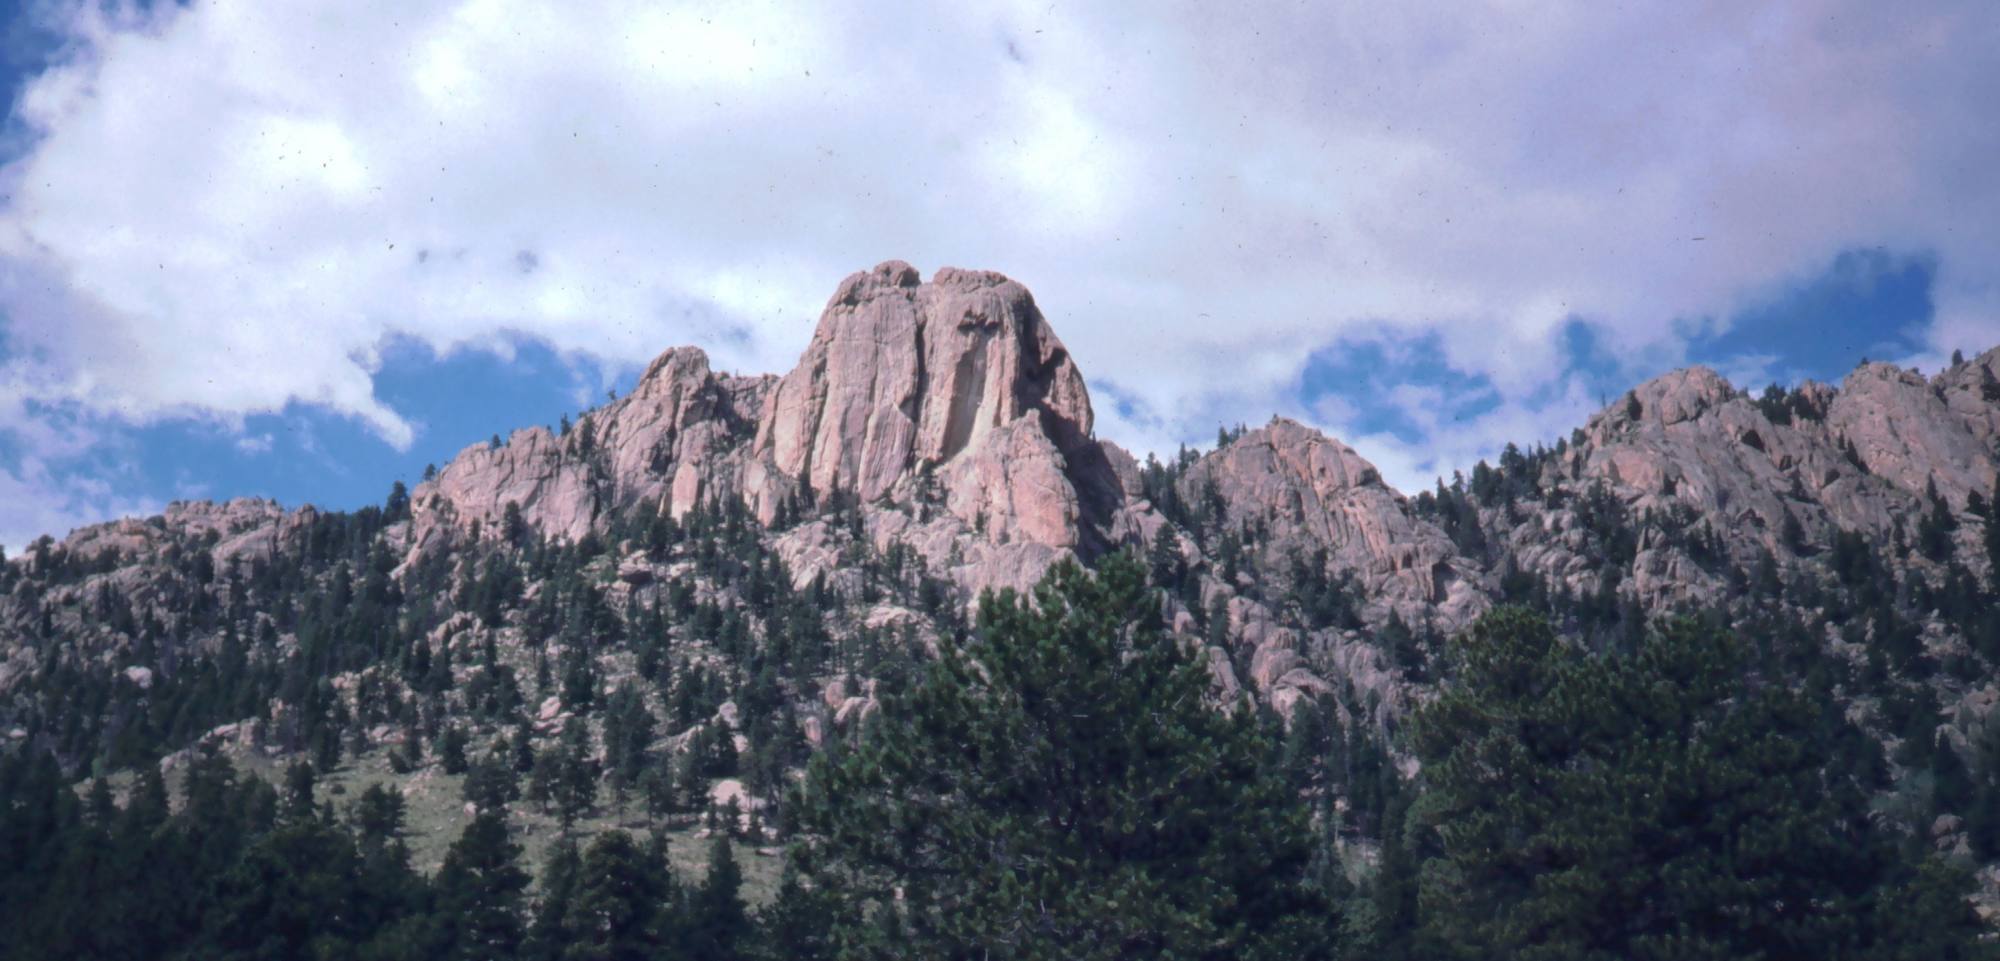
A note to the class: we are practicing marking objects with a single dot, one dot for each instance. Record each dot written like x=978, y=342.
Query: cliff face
x=905, y=377
x=1912, y=432
x=949, y=408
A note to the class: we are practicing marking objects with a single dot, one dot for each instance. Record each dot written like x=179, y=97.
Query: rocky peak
x=952, y=411
x=1718, y=471
x=950, y=408
x=903, y=377
x=675, y=440
x=1671, y=398
x=1308, y=493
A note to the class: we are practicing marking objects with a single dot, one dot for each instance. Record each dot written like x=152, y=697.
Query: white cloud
x=1455, y=444
x=37, y=500
x=233, y=206
x=38, y=504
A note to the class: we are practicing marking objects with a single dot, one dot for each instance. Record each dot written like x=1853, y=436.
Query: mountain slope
x=754, y=561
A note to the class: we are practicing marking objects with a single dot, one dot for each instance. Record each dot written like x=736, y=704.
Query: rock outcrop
x=959, y=380
x=1715, y=479
x=949, y=416
x=949, y=408
x=1914, y=432
x=677, y=439
x=934, y=441
x=1311, y=496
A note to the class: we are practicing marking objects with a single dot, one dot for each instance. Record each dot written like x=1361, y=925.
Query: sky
x=300, y=250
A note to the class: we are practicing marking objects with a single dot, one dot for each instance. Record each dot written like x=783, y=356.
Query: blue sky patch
x=304, y=454
x=1370, y=377
x=1867, y=304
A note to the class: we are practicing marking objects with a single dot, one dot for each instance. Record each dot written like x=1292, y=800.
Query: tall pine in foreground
x=1654, y=803
x=1061, y=787
x=625, y=904
x=718, y=925
x=480, y=892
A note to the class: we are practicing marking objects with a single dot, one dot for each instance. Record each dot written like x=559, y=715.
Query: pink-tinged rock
x=1013, y=486
x=1688, y=445
x=637, y=571
x=950, y=408
x=1312, y=493
x=902, y=377
x=675, y=441
x=1223, y=673
x=1125, y=468
x=836, y=692
x=1908, y=433
x=854, y=709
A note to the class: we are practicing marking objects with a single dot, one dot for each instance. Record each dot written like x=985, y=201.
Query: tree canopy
x=1060, y=787
x=1656, y=802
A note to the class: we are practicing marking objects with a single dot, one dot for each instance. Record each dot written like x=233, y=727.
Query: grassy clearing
x=436, y=816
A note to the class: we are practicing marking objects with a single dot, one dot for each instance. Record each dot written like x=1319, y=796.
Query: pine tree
x=575, y=774
x=1935, y=527
x=146, y=808
x=541, y=787
x=794, y=926
x=718, y=928
x=660, y=791
x=451, y=749
x=479, y=892
x=1992, y=539
x=1650, y=803
x=1951, y=783
x=491, y=784
x=622, y=908
x=554, y=922
x=1927, y=916
x=299, y=783
x=387, y=888
x=397, y=507
x=379, y=813
x=291, y=896
x=628, y=734
x=521, y=749
x=1058, y=788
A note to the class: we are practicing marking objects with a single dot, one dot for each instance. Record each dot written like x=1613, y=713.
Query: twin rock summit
x=950, y=412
